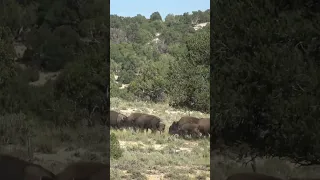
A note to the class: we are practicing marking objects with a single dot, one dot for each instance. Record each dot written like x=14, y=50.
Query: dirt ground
x=159, y=156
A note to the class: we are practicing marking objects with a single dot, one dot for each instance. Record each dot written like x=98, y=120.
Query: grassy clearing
x=155, y=156
x=224, y=166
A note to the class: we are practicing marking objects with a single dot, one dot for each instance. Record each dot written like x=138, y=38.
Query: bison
x=117, y=120
x=147, y=121
x=130, y=121
x=188, y=119
x=173, y=129
x=162, y=127
x=85, y=171
x=251, y=176
x=17, y=169
x=204, y=126
x=189, y=129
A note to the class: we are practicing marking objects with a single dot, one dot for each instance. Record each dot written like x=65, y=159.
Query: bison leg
x=141, y=130
x=153, y=131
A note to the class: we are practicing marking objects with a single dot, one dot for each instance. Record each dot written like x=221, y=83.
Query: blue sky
x=146, y=7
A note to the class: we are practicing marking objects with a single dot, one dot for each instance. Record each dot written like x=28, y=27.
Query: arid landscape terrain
x=159, y=156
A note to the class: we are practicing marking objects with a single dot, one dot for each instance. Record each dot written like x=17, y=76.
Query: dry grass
x=155, y=156
x=145, y=156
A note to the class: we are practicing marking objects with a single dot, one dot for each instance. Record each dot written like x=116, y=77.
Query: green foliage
x=115, y=150
x=161, y=61
x=155, y=16
x=266, y=77
x=85, y=87
x=199, y=47
x=152, y=81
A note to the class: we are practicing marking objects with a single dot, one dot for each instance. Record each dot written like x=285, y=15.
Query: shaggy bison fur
x=189, y=129
x=188, y=119
x=147, y=121
x=204, y=126
x=173, y=129
x=117, y=120
x=131, y=119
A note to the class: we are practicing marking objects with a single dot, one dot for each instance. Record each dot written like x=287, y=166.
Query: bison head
x=162, y=127
x=173, y=129
x=121, y=120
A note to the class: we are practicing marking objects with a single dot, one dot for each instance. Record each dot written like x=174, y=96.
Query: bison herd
x=17, y=169
x=187, y=125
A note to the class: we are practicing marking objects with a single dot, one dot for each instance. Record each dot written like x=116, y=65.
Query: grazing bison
x=117, y=120
x=173, y=129
x=85, y=171
x=204, y=126
x=17, y=169
x=188, y=119
x=147, y=121
x=189, y=129
x=251, y=176
x=130, y=122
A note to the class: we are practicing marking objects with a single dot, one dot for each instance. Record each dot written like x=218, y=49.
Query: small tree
x=155, y=16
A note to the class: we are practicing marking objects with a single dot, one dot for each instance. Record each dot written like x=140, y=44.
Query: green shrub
x=115, y=150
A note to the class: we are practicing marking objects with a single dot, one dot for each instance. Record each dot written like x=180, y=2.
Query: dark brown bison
x=189, y=129
x=204, y=126
x=117, y=120
x=173, y=129
x=84, y=171
x=188, y=119
x=17, y=169
x=251, y=176
x=130, y=120
x=146, y=122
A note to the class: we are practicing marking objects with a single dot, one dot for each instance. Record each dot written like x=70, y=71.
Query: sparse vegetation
x=157, y=66
x=158, y=155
